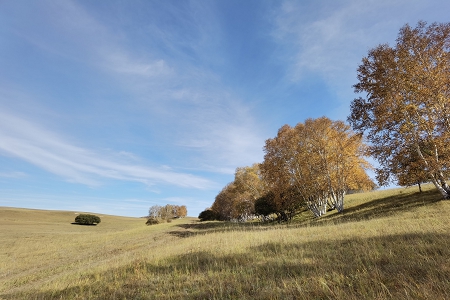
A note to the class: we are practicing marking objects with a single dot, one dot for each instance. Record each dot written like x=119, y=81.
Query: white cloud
x=331, y=37
x=45, y=149
x=124, y=64
x=333, y=41
x=224, y=132
x=328, y=39
x=176, y=93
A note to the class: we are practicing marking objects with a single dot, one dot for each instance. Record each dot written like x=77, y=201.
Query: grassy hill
x=391, y=244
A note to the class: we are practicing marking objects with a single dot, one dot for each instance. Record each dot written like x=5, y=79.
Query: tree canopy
x=237, y=199
x=406, y=111
x=87, y=219
x=167, y=212
x=313, y=165
x=315, y=162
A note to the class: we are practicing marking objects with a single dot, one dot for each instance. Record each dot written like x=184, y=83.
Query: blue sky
x=114, y=106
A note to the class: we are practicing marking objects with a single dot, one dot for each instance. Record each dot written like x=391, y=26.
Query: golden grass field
x=391, y=244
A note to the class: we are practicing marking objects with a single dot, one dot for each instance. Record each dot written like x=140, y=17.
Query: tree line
x=312, y=165
x=403, y=122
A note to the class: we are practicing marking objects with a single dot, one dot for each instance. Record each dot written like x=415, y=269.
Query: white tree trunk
x=440, y=187
x=340, y=201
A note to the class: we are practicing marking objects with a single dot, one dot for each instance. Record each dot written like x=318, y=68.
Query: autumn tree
x=278, y=170
x=231, y=203
x=224, y=203
x=406, y=111
x=408, y=169
x=167, y=212
x=284, y=205
x=154, y=211
x=314, y=163
x=181, y=211
x=249, y=179
x=237, y=199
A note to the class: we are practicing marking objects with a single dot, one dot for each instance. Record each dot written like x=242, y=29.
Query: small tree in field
x=87, y=219
x=152, y=221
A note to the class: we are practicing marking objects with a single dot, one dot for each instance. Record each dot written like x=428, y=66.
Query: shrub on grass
x=266, y=205
x=208, y=215
x=87, y=219
x=152, y=221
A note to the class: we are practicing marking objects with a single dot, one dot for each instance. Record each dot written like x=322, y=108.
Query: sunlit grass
x=389, y=244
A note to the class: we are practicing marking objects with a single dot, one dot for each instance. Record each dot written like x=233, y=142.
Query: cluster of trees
x=312, y=165
x=404, y=116
x=157, y=213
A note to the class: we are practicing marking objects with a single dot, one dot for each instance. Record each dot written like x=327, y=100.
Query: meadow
x=389, y=244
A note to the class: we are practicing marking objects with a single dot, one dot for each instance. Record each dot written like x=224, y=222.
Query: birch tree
x=249, y=180
x=154, y=211
x=320, y=160
x=181, y=211
x=406, y=107
x=237, y=199
x=223, y=204
x=280, y=171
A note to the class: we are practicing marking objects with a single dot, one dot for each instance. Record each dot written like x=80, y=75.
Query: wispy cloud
x=176, y=91
x=123, y=64
x=45, y=149
x=217, y=130
x=14, y=174
x=334, y=36
x=328, y=39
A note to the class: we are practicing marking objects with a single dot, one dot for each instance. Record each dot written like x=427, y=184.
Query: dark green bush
x=208, y=215
x=87, y=219
x=152, y=221
x=265, y=205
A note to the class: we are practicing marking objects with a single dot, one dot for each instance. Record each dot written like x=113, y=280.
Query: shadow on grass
x=83, y=224
x=412, y=266
x=201, y=228
x=383, y=207
x=185, y=233
x=214, y=225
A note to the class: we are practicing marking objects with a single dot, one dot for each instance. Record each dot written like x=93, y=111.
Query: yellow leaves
x=319, y=157
x=315, y=162
x=238, y=197
x=408, y=98
x=248, y=180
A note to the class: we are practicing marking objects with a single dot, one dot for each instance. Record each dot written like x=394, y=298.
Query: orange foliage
x=320, y=159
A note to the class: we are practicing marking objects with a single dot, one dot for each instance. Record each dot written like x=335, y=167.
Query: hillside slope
x=387, y=245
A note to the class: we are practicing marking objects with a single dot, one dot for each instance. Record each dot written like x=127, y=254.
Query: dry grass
x=387, y=245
